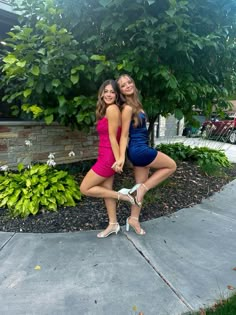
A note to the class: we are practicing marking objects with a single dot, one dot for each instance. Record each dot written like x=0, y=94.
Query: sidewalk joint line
x=7, y=241
x=181, y=298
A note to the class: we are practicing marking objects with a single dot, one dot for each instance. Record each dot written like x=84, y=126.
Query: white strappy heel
x=134, y=193
x=116, y=230
x=141, y=232
x=125, y=191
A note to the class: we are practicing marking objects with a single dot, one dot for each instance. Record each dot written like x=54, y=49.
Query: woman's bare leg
x=110, y=206
x=92, y=185
x=141, y=175
x=164, y=166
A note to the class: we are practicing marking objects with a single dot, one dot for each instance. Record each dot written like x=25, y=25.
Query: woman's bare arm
x=114, y=121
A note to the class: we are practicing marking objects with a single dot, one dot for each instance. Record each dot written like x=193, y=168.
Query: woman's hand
x=117, y=167
x=119, y=164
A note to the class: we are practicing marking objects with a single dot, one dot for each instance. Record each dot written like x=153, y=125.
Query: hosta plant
x=37, y=188
x=211, y=161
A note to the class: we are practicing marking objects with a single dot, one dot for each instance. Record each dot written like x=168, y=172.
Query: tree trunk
x=151, y=128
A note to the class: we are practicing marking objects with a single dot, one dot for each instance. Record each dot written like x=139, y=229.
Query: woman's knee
x=83, y=189
x=173, y=166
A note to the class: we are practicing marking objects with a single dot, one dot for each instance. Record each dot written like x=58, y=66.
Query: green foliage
x=210, y=160
x=43, y=68
x=222, y=307
x=177, y=151
x=180, y=53
x=29, y=191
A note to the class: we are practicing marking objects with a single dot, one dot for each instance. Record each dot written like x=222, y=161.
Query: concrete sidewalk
x=184, y=262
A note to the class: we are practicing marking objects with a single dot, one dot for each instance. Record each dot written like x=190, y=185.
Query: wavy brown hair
x=101, y=105
x=133, y=101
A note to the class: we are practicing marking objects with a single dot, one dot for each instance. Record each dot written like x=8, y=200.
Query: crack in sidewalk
x=179, y=296
x=7, y=241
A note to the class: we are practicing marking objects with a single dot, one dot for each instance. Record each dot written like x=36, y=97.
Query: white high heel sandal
x=116, y=230
x=125, y=191
x=135, y=195
x=141, y=232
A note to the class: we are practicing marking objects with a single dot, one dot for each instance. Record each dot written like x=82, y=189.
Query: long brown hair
x=101, y=105
x=133, y=101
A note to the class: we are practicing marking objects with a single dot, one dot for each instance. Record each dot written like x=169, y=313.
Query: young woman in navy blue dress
x=134, y=138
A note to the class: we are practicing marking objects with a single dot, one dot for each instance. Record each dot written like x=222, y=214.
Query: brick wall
x=45, y=139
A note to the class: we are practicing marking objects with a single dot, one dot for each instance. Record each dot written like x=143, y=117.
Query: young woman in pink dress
x=98, y=182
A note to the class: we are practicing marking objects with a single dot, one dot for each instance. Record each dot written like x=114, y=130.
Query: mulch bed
x=187, y=187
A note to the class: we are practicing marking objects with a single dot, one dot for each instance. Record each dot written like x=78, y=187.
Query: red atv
x=220, y=129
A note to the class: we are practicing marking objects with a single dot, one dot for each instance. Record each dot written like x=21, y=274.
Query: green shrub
x=209, y=160
x=39, y=187
x=177, y=151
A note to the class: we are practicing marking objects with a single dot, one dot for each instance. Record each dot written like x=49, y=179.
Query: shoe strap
x=145, y=187
x=137, y=219
x=111, y=223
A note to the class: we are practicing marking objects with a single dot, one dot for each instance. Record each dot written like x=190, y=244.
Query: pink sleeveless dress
x=106, y=157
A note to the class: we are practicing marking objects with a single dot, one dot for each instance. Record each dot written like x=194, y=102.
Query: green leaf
x=80, y=118
x=99, y=68
x=120, y=66
x=71, y=56
x=61, y=100
x=49, y=119
x=36, y=110
x=98, y=57
x=28, y=183
x=27, y=92
x=56, y=82
x=44, y=69
x=10, y=59
x=74, y=78
x=171, y=12
x=20, y=167
x=35, y=70
x=3, y=201
x=42, y=51
x=21, y=64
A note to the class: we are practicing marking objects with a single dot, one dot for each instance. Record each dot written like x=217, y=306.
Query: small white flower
x=71, y=154
x=51, y=162
x=4, y=168
x=28, y=143
x=51, y=156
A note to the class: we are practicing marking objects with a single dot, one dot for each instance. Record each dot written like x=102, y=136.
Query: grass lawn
x=223, y=307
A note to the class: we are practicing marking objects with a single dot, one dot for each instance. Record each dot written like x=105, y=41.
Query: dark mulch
x=187, y=187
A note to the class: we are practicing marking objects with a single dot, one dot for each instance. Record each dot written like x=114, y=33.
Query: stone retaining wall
x=45, y=139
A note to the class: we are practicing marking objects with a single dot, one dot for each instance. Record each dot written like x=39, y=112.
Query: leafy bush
x=43, y=68
x=210, y=160
x=39, y=187
x=177, y=151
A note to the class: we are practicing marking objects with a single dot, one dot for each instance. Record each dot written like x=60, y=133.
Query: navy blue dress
x=139, y=152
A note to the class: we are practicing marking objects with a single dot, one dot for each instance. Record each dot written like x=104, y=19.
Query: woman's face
x=126, y=86
x=109, y=95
